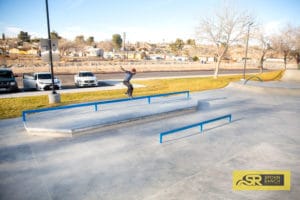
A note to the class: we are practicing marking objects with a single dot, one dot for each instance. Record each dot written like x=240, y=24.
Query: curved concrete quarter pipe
x=288, y=85
x=291, y=76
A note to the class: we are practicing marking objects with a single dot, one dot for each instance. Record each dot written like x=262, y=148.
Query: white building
x=97, y=52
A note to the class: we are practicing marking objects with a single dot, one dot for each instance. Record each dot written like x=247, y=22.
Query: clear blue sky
x=142, y=20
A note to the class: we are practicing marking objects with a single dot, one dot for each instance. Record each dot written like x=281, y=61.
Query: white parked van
x=40, y=81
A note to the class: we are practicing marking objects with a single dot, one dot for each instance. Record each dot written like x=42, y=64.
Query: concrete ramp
x=288, y=85
x=291, y=76
x=270, y=87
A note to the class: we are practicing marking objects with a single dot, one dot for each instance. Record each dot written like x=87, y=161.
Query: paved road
x=68, y=79
x=106, y=80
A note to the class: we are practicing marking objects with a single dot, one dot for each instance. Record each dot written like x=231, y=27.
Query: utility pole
x=53, y=97
x=124, y=44
x=124, y=38
x=246, y=51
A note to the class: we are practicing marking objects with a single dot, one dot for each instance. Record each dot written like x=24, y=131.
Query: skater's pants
x=129, y=86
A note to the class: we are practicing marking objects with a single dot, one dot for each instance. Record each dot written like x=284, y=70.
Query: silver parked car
x=40, y=81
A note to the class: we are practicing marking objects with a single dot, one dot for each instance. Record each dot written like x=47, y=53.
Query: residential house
x=95, y=52
x=133, y=55
x=32, y=52
x=14, y=51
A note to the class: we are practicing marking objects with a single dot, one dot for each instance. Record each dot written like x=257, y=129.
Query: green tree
x=79, y=39
x=195, y=58
x=36, y=40
x=191, y=42
x=177, y=45
x=54, y=35
x=117, y=41
x=23, y=36
x=90, y=40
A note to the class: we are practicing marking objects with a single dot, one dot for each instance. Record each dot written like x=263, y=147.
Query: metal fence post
x=24, y=116
x=201, y=127
x=160, y=138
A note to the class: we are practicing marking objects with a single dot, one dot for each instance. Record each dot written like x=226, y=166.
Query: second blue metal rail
x=193, y=125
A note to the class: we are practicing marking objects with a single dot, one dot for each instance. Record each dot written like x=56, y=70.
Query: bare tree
x=65, y=45
x=225, y=28
x=105, y=45
x=296, y=45
x=263, y=47
x=80, y=44
x=284, y=42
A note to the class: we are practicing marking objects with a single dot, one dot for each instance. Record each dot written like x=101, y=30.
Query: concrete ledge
x=66, y=123
x=48, y=132
x=132, y=122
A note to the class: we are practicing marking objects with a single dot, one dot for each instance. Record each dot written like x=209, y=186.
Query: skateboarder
x=126, y=81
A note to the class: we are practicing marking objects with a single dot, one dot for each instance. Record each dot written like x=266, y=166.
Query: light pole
x=246, y=51
x=53, y=97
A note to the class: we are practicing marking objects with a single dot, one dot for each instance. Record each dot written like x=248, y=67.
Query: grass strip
x=13, y=107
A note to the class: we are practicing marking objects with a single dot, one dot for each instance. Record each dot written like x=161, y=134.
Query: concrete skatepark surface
x=128, y=162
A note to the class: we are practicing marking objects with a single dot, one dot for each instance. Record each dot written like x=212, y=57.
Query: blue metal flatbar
x=25, y=112
x=172, y=93
x=59, y=108
x=218, y=118
x=193, y=125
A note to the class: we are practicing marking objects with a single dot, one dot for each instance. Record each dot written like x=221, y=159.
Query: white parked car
x=85, y=79
x=40, y=81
